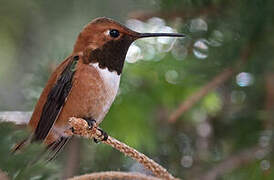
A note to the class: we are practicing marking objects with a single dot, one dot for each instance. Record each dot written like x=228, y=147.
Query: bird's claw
x=104, y=138
x=72, y=129
x=91, y=122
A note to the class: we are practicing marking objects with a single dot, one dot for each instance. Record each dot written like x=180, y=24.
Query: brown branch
x=269, y=101
x=232, y=162
x=214, y=83
x=17, y=117
x=114, y=174
x=81, y=128
x=3, y=175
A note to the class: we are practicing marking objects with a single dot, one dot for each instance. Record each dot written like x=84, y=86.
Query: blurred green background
x=225, y=63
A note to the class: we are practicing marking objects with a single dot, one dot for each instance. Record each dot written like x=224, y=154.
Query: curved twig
x=219, y=79
x=114, y=174
x=81, y=128
x=3, y=175
x=233, y=162
x=214, y=83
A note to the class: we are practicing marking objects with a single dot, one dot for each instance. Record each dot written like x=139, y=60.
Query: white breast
x=111, y=81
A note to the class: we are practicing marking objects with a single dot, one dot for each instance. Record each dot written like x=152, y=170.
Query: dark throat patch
x=111, y=55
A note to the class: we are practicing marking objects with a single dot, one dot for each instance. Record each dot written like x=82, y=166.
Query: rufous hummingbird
x=85, y=84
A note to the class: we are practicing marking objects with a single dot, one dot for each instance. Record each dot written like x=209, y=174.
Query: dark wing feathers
x=55, y=101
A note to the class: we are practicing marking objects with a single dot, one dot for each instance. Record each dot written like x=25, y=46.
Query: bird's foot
x=72, y=129
x=91, y=122
x=103, y=137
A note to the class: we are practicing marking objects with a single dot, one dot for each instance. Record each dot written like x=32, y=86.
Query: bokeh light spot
x=133, y=54
x=265, y=165
x=200, y=49
x=187, y=161
x=171, y=76
x=197, y=25
x=204, y=129
x=179, y=51
x=216, y=38
x=244, y=79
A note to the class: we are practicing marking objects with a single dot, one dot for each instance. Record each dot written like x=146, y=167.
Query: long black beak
x=144, y=35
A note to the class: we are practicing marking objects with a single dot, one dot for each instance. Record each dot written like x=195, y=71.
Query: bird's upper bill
x=145, y=35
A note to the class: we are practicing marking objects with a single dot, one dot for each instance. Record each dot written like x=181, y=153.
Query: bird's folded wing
x=55, y=100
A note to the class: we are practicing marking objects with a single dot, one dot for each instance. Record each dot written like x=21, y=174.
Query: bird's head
x=106, y=42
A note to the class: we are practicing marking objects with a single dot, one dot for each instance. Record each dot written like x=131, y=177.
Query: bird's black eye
x=114, y=33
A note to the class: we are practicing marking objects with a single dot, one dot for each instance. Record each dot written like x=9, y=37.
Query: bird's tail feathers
x=20, y=145
x=56, y=147
x=52, y=150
